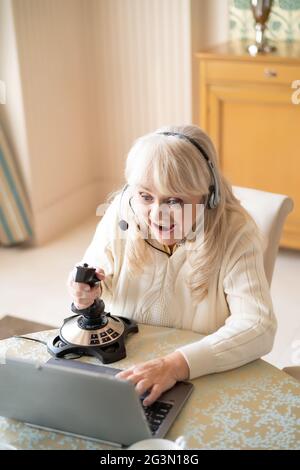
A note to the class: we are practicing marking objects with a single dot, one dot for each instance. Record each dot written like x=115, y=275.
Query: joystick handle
x=87, y=275
x=94, y=315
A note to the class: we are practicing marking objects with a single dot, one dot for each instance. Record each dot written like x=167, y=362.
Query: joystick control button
x=94, y=341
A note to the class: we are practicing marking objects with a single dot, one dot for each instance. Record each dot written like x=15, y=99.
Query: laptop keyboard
x=156, y=413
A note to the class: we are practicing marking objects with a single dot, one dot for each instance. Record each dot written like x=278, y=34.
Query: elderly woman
x=175, y=248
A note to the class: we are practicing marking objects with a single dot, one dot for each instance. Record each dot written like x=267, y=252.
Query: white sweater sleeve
x=248, y=333
x=99, y=253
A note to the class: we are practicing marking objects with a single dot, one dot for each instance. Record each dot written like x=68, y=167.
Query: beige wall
x=144, y=64
x=209, y=26
x=95, y=75
x=52, y=40
x=142, y=59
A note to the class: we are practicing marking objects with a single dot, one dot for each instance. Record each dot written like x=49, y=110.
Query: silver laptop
x=85, y=400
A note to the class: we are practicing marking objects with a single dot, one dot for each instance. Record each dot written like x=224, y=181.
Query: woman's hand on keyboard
x=82, y=294
x=157, y=375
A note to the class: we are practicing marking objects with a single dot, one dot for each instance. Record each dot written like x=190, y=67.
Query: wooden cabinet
x=246, y=107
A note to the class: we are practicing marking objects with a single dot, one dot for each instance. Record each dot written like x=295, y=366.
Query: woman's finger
x=81, y=306
x=125, y=373
x=142, y=386
x=94, y=293
x=100, y=274
x=83, y=300
x=155, y=393
x=81, y=287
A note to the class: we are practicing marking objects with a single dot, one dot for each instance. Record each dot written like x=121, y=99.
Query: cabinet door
x=256, y=130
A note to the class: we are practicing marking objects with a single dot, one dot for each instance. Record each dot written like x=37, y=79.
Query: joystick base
x=106, y=343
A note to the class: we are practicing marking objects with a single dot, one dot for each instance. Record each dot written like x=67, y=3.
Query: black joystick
x=93, y=316
x=92, y=331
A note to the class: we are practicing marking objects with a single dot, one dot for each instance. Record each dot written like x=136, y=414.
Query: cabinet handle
x=270, y=73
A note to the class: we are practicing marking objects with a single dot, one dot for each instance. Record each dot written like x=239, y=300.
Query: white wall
x=95, y=75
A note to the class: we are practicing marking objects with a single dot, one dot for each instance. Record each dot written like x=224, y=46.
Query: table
x=256, y=406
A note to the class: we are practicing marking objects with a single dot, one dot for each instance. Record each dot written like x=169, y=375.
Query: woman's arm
x=250, y=329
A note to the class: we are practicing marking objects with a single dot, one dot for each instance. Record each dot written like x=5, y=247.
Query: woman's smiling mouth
x=163, y=228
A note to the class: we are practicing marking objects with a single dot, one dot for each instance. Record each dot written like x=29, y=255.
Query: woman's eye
x=173, y=202
x=146, y=197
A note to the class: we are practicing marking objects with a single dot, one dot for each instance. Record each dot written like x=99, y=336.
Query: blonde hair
x=175, y=167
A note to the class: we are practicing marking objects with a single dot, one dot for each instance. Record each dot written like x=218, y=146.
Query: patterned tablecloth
x=256, y=406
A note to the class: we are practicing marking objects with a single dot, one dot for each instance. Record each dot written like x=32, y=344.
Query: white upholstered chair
x=269, y=210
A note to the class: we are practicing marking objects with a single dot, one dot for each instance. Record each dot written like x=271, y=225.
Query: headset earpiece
x=123, y=225
x=211, y=201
